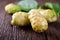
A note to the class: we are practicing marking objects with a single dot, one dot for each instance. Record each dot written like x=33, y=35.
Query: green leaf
x=56, y=8
x=48, y=5
x=28, y=5
x=53, y=6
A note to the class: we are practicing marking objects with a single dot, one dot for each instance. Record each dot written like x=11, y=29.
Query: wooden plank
x=9, y=32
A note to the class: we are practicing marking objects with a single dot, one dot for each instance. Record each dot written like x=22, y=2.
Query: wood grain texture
x=9, y=32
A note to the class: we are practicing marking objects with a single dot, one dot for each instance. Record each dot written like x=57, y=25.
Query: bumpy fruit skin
x=20, y=19
x=12, y=8
x=50, y=15
x=39, y=23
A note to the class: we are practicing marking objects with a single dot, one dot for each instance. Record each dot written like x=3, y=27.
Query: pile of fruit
x=29, y=12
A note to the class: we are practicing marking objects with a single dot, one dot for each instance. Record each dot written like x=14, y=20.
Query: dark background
x=9, y=32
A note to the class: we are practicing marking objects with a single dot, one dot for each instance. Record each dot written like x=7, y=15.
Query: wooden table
x=9, y=32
